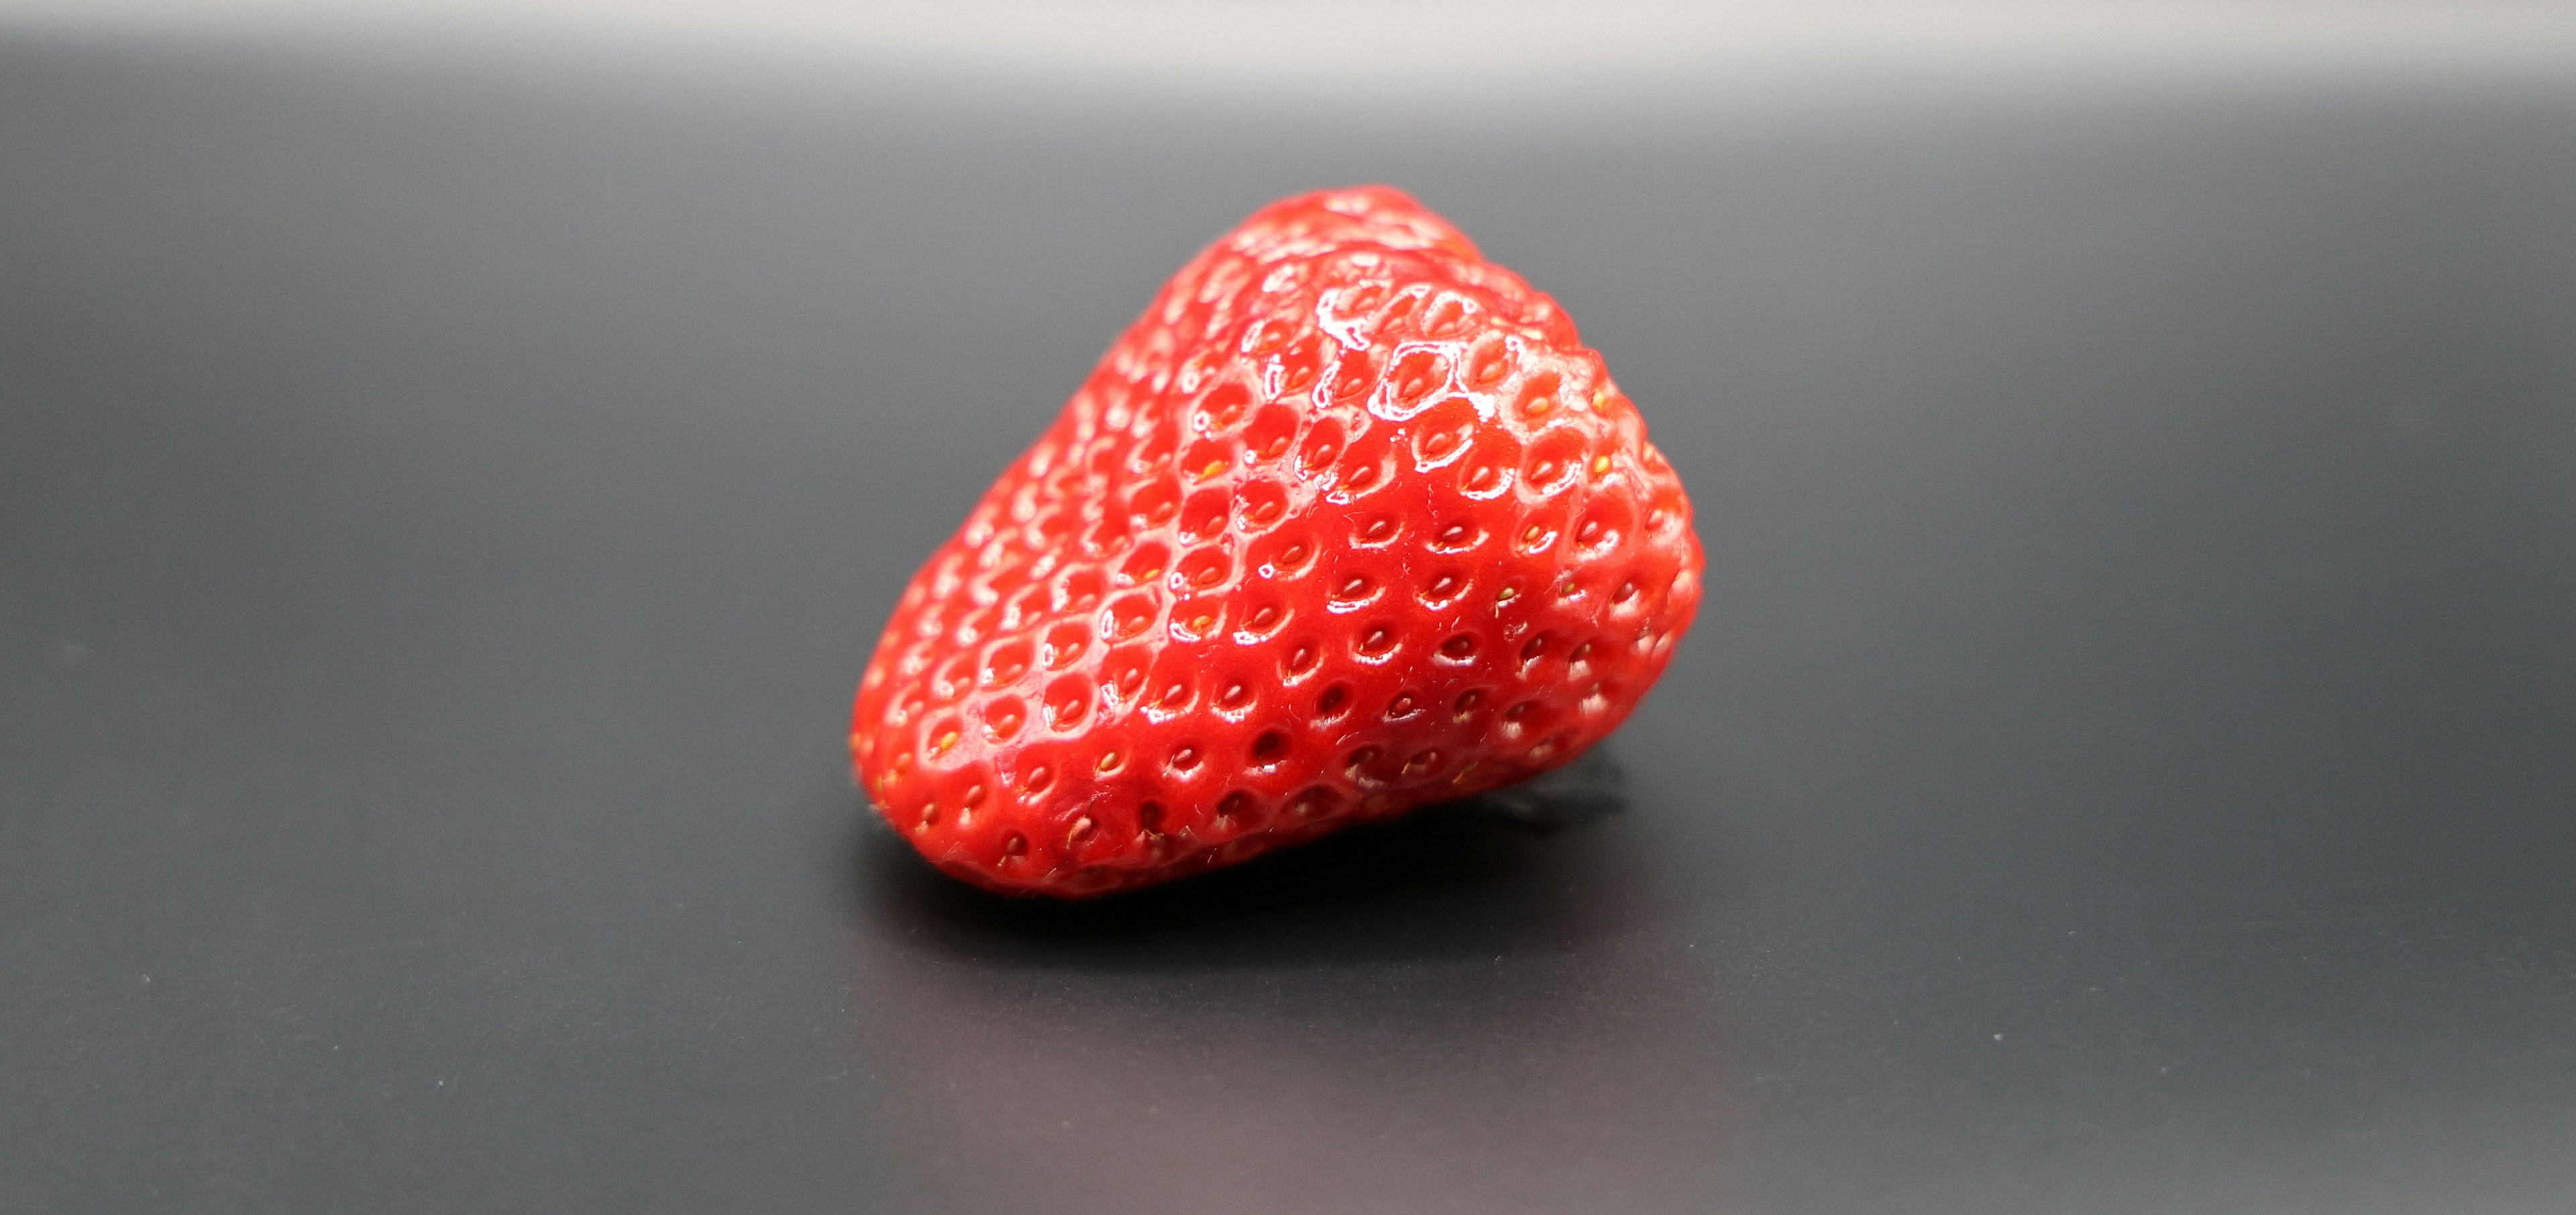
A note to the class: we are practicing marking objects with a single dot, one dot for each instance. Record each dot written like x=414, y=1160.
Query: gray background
x=447, y=495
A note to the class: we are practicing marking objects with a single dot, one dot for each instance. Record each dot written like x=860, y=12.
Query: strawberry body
x=1348, y=522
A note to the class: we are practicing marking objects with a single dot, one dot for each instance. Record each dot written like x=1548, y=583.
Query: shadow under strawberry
x=1511, y=869
x=1485, y=981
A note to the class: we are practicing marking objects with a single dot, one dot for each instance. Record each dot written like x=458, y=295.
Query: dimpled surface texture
x=1348, y=522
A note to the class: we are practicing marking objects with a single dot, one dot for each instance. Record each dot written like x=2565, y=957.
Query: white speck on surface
x=1999, y=1037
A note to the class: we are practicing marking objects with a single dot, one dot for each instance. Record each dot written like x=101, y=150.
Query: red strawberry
x=1348, y=522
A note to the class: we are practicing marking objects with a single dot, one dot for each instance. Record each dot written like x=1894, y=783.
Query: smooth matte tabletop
x=2126, y=762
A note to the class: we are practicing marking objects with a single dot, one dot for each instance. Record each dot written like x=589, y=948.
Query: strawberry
x=1348, y=522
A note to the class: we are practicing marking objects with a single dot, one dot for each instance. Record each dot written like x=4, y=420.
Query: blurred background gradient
x=455, y=459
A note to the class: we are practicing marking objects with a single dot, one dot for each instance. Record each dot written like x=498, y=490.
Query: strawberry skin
x=1348, y=522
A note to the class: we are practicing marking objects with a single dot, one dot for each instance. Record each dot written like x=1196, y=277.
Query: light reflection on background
x=1390, y=47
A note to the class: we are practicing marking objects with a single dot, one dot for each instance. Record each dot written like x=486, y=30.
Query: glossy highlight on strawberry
x=1348, y=522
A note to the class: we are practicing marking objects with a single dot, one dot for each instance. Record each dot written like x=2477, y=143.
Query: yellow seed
x=1213, y=468
x=1505, y=593
x=1106, y=763
x=945, y=741
x=1600, y=465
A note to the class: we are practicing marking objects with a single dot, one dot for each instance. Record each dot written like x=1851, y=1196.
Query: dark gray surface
x=2123, y=765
